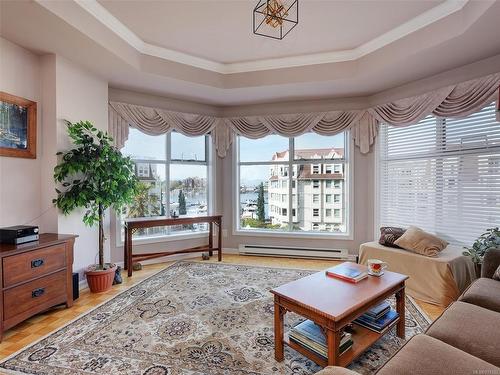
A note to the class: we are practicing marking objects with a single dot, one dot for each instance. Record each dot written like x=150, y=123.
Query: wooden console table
x=149, y=222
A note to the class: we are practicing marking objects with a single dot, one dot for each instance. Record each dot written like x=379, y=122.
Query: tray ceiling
x=221, y=31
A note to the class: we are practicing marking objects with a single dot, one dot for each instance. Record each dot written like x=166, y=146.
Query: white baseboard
x=83, y=284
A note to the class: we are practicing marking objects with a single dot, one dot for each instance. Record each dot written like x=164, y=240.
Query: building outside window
x=173, y=173
x=298, y=180
x=292, y=182
x=143, y=170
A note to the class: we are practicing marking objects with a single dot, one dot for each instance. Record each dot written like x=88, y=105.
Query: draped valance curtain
x=458, y=100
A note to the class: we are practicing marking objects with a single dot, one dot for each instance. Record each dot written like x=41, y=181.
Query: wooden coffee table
x=332, y=304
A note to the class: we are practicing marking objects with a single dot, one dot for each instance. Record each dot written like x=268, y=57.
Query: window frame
x=348, y=194
x=167, y=162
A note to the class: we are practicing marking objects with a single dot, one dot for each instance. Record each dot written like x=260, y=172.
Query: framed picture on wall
x=17, y=126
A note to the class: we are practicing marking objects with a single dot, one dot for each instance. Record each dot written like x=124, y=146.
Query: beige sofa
x=465, y=339
x=438, y=280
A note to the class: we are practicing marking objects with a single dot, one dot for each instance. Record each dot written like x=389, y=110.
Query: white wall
x=80, y=96
x=20, y=198
x=68, y=92
x=49, y=143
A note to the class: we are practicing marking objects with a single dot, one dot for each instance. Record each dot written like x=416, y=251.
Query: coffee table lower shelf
x=362, y=337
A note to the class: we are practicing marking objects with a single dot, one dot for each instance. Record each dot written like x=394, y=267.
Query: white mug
x=376, y=267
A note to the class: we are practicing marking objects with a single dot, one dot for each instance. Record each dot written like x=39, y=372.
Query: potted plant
x=488, y=240
x=94, y=176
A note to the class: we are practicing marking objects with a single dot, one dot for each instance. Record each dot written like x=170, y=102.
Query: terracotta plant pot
x=101, y=280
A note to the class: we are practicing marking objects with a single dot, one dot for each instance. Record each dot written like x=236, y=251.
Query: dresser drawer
x=33, y=294
x=26, y=266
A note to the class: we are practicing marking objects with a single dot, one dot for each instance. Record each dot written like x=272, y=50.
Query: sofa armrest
x=491, y=261
x=334, y=370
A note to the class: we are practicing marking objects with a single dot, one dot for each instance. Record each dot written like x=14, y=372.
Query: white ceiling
x=221, y=31
x=194, y=50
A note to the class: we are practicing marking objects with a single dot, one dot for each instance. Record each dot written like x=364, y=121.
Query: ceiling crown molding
x=426, y=18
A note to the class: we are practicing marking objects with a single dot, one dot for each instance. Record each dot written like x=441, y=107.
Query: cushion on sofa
x=420, y=242
x=469, y=328
x=483, y=292
x=425, y=355
x=389, y=235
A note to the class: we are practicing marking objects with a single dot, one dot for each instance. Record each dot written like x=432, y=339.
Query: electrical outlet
x=224, y=233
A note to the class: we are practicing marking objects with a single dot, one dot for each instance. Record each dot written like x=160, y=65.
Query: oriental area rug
x=191, y=318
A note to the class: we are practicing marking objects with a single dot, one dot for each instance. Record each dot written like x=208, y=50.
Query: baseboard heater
x=296, y=252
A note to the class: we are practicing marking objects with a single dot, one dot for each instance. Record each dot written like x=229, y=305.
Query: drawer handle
x=37, y=263
x=37, y=292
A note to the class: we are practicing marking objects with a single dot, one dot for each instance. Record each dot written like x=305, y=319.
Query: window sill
x=310, y=235
x=166, y=238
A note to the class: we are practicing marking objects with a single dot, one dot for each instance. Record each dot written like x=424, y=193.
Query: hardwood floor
x=42, y=324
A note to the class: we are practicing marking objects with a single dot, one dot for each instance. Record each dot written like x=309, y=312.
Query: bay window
x=174, y=175
x=288, y=184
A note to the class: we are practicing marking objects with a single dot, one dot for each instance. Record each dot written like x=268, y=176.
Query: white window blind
x=442, y=175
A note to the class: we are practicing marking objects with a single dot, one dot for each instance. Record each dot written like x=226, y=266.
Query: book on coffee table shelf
x=378, y=311
x=348, y=271
x=309, y=335
x=379, y=324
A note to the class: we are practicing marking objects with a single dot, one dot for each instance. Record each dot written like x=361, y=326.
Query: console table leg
x=210, y=238
x=278, y=331
x=129, y=253
x=220, y=242
x=125, y=255
x=400, y=308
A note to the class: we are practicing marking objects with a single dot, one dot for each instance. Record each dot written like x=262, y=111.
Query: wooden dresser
x=34, y=277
